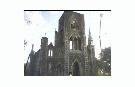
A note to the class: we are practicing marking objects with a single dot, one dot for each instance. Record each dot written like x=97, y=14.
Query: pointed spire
x=89, y=32
x=89, y=37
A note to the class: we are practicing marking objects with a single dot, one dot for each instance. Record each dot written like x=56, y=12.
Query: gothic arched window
x=75, y=43
x=50, y=52
x=71, y=45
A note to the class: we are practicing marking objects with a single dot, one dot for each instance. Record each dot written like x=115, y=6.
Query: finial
x=45, y=34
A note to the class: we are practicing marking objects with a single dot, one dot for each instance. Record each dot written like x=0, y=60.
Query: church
x=69, y=56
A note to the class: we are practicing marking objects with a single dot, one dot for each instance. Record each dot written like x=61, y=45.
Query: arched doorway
x=76, y=70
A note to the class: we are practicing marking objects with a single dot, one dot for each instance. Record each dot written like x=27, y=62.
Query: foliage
x=104, y=64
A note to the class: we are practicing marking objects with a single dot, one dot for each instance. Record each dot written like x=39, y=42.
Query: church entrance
x=76, y=71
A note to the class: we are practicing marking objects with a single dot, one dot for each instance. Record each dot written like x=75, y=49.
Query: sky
x=38, y=24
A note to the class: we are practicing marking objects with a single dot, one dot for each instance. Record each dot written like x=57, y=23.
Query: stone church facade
x=70, y=55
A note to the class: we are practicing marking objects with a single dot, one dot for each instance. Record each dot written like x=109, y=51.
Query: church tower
x=73, y=40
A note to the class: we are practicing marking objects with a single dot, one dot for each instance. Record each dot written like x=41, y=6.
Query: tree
x=104, y=64
x=106, y=60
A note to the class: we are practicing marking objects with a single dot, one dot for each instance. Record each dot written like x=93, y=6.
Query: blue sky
x=47, y=21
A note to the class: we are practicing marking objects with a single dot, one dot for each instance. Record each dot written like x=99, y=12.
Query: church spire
x=89, y=32
x=89, y=37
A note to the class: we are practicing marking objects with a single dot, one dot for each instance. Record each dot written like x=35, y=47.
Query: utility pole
x=101, y=15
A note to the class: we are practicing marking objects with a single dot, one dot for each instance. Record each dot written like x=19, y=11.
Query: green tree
x=104, y=64
x=106, y=60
